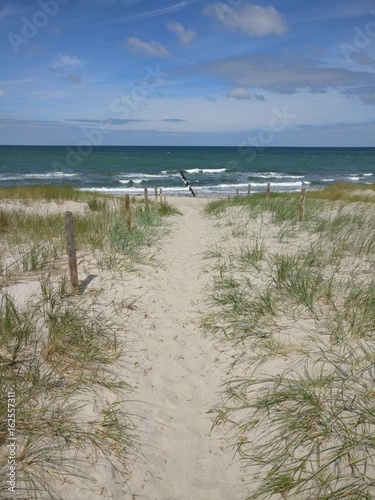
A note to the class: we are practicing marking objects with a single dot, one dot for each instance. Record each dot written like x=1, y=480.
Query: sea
x=210, y=171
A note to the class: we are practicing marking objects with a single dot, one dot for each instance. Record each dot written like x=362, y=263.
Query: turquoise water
x=210, y=170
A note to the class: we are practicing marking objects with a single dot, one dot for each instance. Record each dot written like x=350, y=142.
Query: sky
x=187, y=72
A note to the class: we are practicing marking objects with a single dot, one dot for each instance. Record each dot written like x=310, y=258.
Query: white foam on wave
x=107, y=190
x=48, y=175
x=134, y=181
x=205, y=170
x=367, y=175
x=144, y=177
x=276, y=175
x=264, y=184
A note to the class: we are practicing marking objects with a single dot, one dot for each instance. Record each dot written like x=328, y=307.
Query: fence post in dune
x=268, y=189
x=248, y=189
x=71, y=249
x=145, y=195
x=128, y=214
x=156, y=194
x=302, y=204
x=161, y=195
x=237, y=192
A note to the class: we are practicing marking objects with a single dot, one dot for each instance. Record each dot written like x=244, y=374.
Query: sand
x=180, y=374
x=175, y=372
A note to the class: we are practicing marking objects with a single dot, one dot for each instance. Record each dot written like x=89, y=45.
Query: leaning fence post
x=128, y=214
x=268, y=189
x=71, y=249
x=302, y=205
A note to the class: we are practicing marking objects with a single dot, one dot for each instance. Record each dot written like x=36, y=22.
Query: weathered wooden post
x=302, y=204
x=248, y=189
x=156, y=194
x=268, y=189
x=71, y=249
x=237, y=192
x=128, y=214
x=161, y=195
x=145, y=195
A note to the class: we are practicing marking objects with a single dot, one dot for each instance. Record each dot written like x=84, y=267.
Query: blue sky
x=189, y=72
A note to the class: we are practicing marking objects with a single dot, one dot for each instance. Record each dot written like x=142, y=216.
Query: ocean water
x=211, y=171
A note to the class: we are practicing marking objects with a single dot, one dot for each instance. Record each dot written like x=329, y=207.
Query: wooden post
x=156, y=194
x=268, y=192
x=71, y=249
x=302, y=205
x=237, y=192
x=248, y=189
x=161, y=195
x=145, y=195
x=128, y=214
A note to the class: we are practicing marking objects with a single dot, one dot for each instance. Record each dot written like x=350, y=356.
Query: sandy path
x=178, y=375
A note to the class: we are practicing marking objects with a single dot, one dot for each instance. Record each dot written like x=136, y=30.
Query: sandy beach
x=173, y=370
x=175, y=373
x=180, y=374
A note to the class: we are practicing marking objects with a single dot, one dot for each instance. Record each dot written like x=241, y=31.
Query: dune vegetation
x=297, y=300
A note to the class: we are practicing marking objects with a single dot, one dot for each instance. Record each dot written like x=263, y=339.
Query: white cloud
x=239, y=93
x=65, y=60
x=285, y=75
x=148, y=48
x=184, y=35
x=250, y=19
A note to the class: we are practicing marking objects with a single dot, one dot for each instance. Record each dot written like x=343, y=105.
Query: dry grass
x=297, y=301
x=59, y=351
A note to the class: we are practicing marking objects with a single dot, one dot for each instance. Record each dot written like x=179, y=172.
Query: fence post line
x=71, y=249
x=128, y=215
x=302, y=204
x=268, y=189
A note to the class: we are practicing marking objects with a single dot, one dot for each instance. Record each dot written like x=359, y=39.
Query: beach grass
x=37, y=240
x=59, y=351
x=347, y=192
x=48, y=193
x=56, y=355
x=299, y=310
